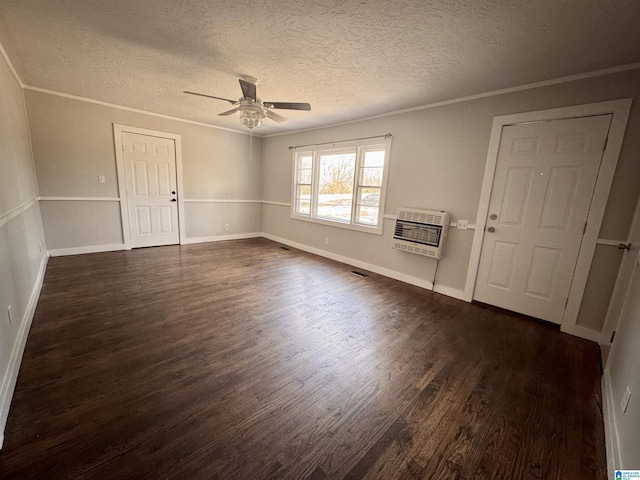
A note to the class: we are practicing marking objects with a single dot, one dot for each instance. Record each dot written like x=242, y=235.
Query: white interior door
x=150, y=175
x=543, y=186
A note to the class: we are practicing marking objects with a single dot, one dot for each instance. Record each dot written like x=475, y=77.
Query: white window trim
x=363, y=144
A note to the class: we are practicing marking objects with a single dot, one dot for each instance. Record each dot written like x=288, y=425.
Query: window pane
x=304, y=176
x=367, y=215
x=304, y=162
x=371, y=176
x=303, y=199
x=303, y=207
x=374, y=158
x=369, y=196
x=341, y=184
x=335, y=186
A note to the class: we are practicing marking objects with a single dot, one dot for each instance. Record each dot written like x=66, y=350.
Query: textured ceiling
x=348, y=58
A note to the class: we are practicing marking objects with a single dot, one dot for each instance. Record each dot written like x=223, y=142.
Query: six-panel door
x=543, y=185
x=150, y=170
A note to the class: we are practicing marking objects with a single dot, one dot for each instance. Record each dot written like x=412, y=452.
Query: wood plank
x=243, y=360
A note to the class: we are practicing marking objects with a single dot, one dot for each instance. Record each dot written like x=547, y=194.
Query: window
x=342, y=186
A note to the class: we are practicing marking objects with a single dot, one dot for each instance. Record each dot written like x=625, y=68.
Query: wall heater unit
x=421, y=231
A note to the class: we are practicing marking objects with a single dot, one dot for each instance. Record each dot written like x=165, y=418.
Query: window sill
x=377, y=230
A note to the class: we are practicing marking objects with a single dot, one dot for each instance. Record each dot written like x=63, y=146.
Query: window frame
x=360, y=147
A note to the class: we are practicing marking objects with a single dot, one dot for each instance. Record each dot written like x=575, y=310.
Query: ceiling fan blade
x=228, y=112
x=288, y=105
x=232, y=102
x=248, y=89
x=274, y=116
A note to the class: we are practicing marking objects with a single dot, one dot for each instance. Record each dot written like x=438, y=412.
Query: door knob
x=491, y=229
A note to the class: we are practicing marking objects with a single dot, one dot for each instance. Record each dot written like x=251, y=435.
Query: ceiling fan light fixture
x=251, y=118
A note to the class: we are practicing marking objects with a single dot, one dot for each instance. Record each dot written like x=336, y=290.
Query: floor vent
x=358, y=274
x=285, y=248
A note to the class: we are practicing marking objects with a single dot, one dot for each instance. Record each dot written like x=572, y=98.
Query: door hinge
x=613, y=335
x=566, y=303
x=584, y=230
x=606, y=141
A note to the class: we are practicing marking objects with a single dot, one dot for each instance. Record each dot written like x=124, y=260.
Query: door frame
x=621, y=287
x=118, y=130
x=619, y=109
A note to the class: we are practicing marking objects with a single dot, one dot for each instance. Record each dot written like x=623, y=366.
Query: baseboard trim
x=582, y=332
x=450, y=292
x=61, y=252
x=419, y=282
x=221, y=238
x=612, y=447
x=11, y=376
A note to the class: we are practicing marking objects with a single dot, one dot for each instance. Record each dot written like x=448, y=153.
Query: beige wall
x=21, y=259
x=209, y=219
x=73, y=144
x=623, y=367
x=437, y=162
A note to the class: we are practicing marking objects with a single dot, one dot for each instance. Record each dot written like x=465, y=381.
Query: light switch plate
x=102, y=179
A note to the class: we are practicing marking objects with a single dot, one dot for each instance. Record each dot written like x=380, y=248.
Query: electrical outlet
x=10, y=314
x=102, y=179
x=625, y=400
x=226, y=226
x=462, y=224
x=326, y=240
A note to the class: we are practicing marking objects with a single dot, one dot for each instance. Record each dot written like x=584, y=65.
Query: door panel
x=542, y=272
x=543, y=185
x=516, y=193
x=559, y=198
x=163, y=176
x=140, y=179
x=502, y=264
x=165, y=215
x=143, y=220
x=150, y=171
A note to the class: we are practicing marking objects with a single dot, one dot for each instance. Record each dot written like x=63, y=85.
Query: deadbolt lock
x=493, y=216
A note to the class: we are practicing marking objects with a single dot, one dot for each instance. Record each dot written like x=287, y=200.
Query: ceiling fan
x=250, y=109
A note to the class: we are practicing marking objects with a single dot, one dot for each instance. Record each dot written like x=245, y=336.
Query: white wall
x=73, y=144
x=623, y=370
x=437, y=162
x=21, y=261
x=623, y=364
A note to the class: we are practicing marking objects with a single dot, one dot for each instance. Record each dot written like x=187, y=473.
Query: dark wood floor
x=243, y=360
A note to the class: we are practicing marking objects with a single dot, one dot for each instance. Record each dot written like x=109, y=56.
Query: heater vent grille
x=423, y=232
